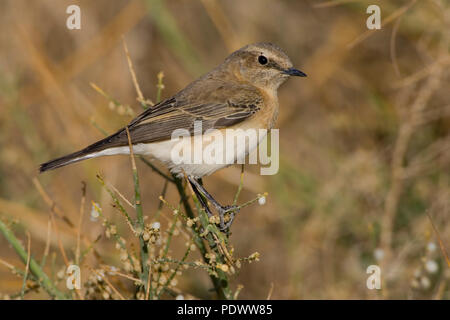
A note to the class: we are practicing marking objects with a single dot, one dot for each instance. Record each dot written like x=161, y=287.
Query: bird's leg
x=200, y=197
x=221, y=209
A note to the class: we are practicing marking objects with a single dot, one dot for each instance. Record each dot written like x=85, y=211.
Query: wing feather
x=235, y=103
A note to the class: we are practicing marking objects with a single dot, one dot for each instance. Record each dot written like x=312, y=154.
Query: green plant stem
x=141, y=226
x=241, y=184
x=35, y=269
x=220, y=283
x=166, y=250
x=174, y=272
x=161, y=203
x=116, y=200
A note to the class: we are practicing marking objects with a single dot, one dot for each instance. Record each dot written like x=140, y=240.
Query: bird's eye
x=262, y=60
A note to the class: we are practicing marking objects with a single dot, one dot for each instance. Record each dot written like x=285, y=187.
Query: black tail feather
x=62, y=161
x=109, y=142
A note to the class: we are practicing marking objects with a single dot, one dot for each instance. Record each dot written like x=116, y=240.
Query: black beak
x=294, y=72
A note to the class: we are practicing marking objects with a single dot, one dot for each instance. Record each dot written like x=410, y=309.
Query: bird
x=240, y=93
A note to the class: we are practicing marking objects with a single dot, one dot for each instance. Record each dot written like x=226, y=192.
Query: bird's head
x=263, y=65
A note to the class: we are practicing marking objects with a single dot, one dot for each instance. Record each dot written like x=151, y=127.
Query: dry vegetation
x=364, y=155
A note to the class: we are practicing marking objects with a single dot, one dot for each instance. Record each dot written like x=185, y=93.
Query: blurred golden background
x=364, y=140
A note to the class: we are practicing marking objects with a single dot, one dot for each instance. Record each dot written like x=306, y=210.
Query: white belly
x=199, y=155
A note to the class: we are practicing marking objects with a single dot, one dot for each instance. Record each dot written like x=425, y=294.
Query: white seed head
x=425, y=282
x=112, y=270
x=431, y=246
x=95, y=211
x=378, y=254
x=431, y=266
x=262, y=200
x=156, y=225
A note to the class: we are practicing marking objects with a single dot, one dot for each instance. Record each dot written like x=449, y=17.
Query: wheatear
x=241, y=93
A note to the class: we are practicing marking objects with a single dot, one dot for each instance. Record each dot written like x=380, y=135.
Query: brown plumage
x=239, y=90
x=241, y=93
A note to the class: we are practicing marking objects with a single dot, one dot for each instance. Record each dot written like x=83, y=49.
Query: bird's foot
x=227, y=215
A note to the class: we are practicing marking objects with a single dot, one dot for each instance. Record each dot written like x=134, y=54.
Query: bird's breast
x=267, y=116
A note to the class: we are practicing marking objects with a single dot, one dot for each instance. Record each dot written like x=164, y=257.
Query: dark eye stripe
x=274, y=65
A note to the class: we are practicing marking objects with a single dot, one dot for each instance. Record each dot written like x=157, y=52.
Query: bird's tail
x=100, y=148
x=63, y=161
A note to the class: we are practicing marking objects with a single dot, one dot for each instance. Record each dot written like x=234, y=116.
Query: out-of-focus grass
x=173, y=36
x=326, y=217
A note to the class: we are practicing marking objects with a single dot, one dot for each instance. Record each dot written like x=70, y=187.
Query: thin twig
x=140, y=98
x=118, y=204
x=241, y=184
x=159, y=86
x=47, y=242
x=51, y=203
x=140, y=218
x=80, y=222
x=161, y=202
x=173, y=274
x=269, y=295
x=105, y=278
x=58, y=238
x=441, y=243
x=27, y=267
x=120, y=274
x=121, y=195
x=393, y=51
x=149, y=285
x=222, y=24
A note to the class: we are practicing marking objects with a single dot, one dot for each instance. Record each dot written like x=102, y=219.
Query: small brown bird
x=241, y=93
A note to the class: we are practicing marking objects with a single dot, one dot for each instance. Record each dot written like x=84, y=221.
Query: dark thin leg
x=204, y=192
x=221, y=209
x=200, y=197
